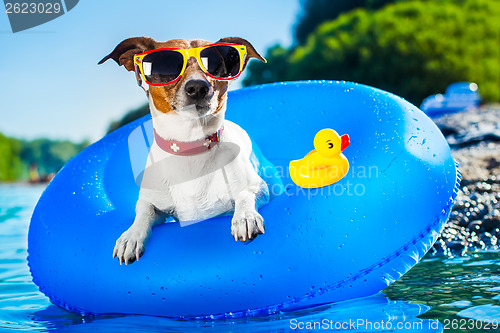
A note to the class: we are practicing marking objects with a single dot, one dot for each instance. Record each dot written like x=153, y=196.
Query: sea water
x=440, y=293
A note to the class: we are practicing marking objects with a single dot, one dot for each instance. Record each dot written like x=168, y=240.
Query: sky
x=51, y=83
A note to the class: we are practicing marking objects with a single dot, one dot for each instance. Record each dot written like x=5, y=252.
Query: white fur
x=181, y=187
x=184, y=124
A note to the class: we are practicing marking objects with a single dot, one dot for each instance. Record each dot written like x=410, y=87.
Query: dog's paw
x=247, y=225
x=130, y=246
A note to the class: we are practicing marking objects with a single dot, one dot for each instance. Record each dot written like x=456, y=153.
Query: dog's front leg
x=247, y=223
x=130, y=246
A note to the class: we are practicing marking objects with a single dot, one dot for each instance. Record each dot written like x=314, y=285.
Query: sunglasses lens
x=162, y=67
x=221, y=61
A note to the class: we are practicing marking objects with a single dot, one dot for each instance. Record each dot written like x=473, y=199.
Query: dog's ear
x=251, y=52
x=124, y=52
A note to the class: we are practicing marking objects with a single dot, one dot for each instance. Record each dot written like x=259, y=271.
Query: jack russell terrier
x=186, y=82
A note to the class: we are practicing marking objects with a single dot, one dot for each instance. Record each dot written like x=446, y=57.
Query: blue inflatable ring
x=348, y=240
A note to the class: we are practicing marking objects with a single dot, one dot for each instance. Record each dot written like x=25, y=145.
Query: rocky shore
x=474, y=137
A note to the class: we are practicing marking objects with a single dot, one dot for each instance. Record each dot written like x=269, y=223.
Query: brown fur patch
x=162, y=97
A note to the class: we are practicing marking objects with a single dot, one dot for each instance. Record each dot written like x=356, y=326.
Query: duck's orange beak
x=344, y=142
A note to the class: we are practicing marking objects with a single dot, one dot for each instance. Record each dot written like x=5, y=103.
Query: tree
x=274, y=70
x=129, y=117
x=10, y=165
x=413, y=48
x=49, y=155
x=315, y=12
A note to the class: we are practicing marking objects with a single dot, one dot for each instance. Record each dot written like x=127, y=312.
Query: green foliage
x=10, y=163
x=274, y=70
x=129, y=117
x=315, y=12
x=412, y=48
x=16, y=156
x=49, y=155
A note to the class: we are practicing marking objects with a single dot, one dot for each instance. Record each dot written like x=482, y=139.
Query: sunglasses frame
x=187, y=54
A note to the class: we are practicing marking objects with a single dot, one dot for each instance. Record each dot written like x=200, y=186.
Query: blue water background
x=436, y=294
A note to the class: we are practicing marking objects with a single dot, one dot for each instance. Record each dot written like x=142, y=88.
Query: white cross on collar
x=175, y=148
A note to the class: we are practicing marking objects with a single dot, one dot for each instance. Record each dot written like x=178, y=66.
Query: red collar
x=188, y=148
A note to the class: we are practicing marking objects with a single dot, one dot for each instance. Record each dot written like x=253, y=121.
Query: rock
x=474, y=223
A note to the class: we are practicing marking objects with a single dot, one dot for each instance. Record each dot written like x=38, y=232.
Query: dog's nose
x=197, y=89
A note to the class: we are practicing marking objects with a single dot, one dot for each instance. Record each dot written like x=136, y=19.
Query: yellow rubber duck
x=323, y=166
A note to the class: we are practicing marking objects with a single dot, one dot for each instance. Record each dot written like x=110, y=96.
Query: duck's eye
x=330, y=145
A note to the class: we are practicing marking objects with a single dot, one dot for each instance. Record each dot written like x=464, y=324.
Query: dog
x=193, y=136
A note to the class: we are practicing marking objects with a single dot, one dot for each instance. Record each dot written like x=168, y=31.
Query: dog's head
x=195, y=93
